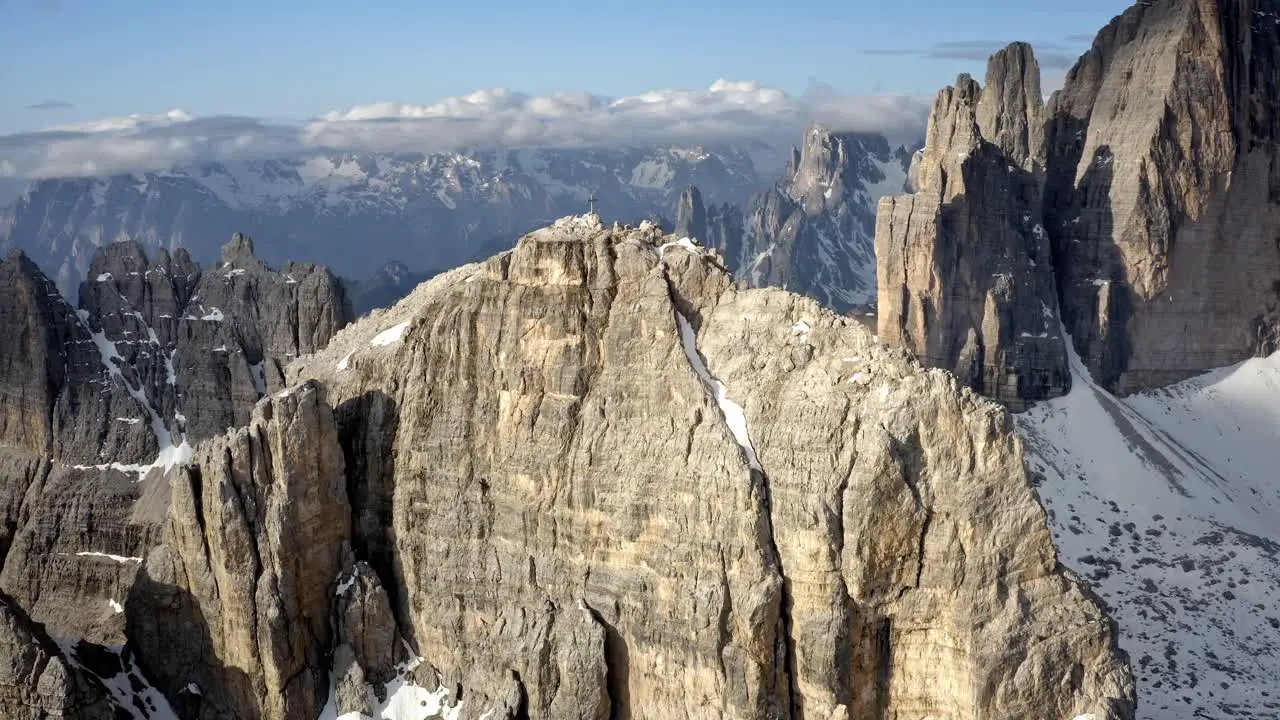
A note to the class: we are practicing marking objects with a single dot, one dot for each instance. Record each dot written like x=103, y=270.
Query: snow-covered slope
x=356, y=212
x=1168, y=502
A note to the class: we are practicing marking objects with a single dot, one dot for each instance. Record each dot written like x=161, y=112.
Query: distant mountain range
x=356, y=212
x=802, y=219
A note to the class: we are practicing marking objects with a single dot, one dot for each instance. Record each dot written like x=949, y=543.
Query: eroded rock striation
x=615, y=485
x=1152, y=179
x=239, y=596
x=1164, y=191
x=965, y=271
x=158, y=356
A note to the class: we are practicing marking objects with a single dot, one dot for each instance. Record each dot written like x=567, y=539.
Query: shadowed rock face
x=38, y=681
x=1163, y=193
x=1154, y=178
x=239, y=596
x=964, y=268
x=616, y=486
x=159, y=352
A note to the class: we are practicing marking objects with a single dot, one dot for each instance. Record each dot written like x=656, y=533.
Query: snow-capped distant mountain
x=355, y=212
x=1168, y=503
x=814, y=231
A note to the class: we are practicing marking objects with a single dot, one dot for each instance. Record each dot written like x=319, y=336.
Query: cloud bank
x=1050, y=55
x=51, y=105
x=484, y=120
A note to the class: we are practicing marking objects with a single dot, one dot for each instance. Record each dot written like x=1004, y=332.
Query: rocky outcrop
x=1010, y=111
x=159, y=356
x=1164, y=191
x=369, y=652
x=617, y=486
x=964, y=267
x=691, y=215
x=51, y=369
x=1152, y=177
x=37, y=682
x=812, y=233
x=238, y=599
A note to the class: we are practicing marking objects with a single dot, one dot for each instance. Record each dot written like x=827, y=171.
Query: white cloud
x=128, y=122
x=485, y=119
x=7, y=169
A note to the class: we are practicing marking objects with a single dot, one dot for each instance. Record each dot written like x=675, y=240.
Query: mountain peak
x=240, y=247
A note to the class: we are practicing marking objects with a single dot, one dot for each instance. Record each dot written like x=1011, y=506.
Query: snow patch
x=116, y=607
x=390, y=336
x=734, y=416
x=406, y=700
x=104, y=277
x=345, y=585
x=258, y=371
x=683, y=243
x=800, y=328
x=345, y=363
x=129, y=689
x=214, y=315
x=117, y=558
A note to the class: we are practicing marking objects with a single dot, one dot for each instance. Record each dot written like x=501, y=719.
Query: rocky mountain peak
x=158, y=356
x=964, y=266
x=596, y=336
x=833, y=165
x=1010, y=113
x=691, y=215
x=239, y=248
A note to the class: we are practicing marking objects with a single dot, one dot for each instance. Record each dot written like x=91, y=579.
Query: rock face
x=239, y=596
x=616, y=486
x=1164, y=191
x=691, y=215
x=965, y=272
x=813, y=232
x=1152, y=177
x=37, y=682
x=159, y=356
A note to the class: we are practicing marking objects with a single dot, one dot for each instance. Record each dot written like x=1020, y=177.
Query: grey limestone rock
x=37, y=682
x=1164, y=191
x=622, y=487
x=965, y=271
x=159, y=353
x=239, y=597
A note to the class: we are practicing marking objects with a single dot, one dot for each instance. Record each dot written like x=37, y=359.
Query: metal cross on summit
x=591, y=203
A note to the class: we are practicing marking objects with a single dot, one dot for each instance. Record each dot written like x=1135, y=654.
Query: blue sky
x=296, y=59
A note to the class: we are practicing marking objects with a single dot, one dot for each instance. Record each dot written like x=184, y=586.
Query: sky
x=113, y=71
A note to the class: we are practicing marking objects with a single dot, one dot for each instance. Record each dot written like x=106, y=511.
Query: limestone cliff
x=238, y=597
x=1146, y=195
x=612, y=485
x=159, y=355
x=964, y=268
x=1164, y=191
